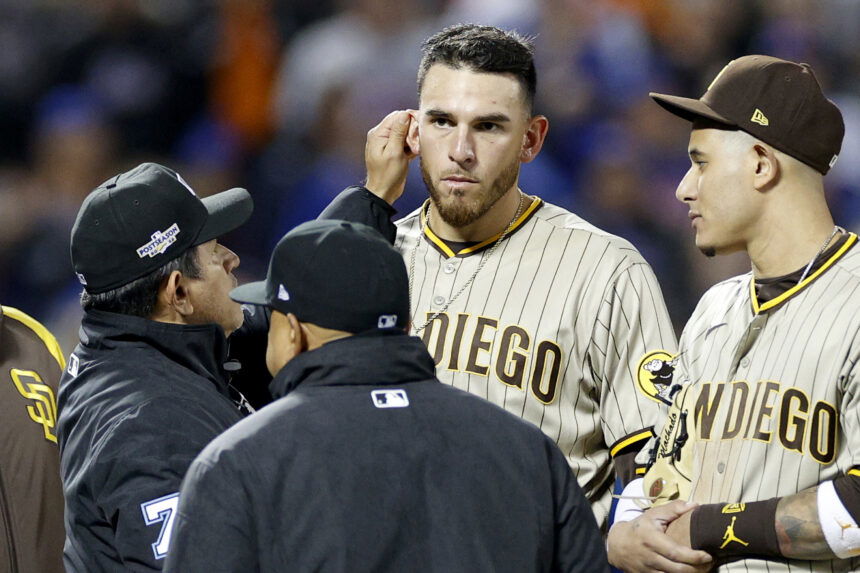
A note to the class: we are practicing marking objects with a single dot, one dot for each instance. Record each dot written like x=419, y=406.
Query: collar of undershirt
x=461, y=249
x=768, y=294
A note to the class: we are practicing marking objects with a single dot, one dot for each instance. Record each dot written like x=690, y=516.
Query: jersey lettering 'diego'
x=765, y=411
x=469, y=344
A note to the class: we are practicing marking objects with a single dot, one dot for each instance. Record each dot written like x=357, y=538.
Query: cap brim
x=227, y=211
x=687, y=108
x=251, y=293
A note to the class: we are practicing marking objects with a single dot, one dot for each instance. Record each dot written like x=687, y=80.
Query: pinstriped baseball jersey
x=555, y=327
x=776, y=392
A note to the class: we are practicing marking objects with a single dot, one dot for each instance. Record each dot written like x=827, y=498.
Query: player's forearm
x=738, y=530
x=798, y=527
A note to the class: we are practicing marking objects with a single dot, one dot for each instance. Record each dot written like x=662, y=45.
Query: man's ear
x=534, y=138
x=173, y=296
x=767, y=167
x=412, y=139
x=298, y=341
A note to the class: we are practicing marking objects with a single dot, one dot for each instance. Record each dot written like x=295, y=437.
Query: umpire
x=365, y=462
x=146, y=389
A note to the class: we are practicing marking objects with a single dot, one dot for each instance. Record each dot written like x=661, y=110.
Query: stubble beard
x=459, y=214
x=227, y=314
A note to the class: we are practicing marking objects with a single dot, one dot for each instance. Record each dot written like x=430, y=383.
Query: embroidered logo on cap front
x=759, y=118
x=160, y=242
x=282, y=293
x=390, y=398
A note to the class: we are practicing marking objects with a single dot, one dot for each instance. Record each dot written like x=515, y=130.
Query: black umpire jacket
x=369, y=463
x=139, y=400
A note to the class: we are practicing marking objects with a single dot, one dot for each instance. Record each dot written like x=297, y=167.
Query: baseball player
x=765, y=433
x=31, y=495
x=519, y=301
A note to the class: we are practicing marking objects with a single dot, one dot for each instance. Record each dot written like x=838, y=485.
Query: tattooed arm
x=814, y=524
x=798, y=527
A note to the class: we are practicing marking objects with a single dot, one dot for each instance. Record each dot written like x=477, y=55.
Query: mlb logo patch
x=390, y=398
x=387, y=321
x=74, y=365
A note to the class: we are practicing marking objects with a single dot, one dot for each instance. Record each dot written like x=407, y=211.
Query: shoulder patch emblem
x=655, y=374
x=74, y=365
x=43, y=409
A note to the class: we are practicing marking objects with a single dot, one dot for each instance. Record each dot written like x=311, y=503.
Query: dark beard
x=709, y=252
x=461, y=216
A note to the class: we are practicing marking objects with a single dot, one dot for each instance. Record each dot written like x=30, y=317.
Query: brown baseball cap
x=776, y=101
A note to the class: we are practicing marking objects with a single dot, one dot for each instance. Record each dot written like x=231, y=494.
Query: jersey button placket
x=445, y=282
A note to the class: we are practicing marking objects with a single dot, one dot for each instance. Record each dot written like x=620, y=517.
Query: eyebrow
x=695, y=153
x=492, y=117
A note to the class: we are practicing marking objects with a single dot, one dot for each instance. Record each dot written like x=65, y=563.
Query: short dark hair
x=139, y=297
x=482, y=49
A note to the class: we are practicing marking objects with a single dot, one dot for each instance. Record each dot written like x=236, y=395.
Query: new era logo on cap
x=759, y=118
x=282, y=293
x=387, y=321
x=161, y=240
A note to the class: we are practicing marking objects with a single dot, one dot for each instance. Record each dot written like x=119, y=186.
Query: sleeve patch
x=655, y=376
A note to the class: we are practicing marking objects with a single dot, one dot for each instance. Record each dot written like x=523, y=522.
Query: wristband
x=631, y=503
x=736, y=529
x=839, y=528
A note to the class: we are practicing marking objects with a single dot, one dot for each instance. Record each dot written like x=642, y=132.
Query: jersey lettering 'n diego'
x=555, y=328
x=775, y=396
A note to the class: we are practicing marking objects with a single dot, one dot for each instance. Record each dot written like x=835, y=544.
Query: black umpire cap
x=137, y=221
x=337, y=275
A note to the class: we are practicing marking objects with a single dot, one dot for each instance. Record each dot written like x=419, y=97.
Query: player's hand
x=679, y=529
x=387, y=155
x=642, y=545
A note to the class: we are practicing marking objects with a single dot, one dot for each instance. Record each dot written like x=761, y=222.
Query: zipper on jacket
x=7, y=523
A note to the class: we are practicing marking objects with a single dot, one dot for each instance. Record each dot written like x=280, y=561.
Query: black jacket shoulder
x=366, y=462
x=138, y=401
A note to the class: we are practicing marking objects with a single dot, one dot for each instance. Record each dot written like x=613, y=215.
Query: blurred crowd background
x=277, y=96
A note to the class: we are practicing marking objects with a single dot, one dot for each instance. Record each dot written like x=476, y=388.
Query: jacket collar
x=375, y=358
x=202, y=348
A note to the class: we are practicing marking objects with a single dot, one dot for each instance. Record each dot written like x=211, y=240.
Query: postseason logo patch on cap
x=161, y=240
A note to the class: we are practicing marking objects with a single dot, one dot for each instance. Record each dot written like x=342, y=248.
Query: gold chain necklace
x=421, y=224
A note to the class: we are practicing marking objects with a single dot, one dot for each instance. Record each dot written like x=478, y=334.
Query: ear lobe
x=304, y=337
x=412, y=139
x=298, y=336
x=534, y=138
x=767, y=168
x=173, y=295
